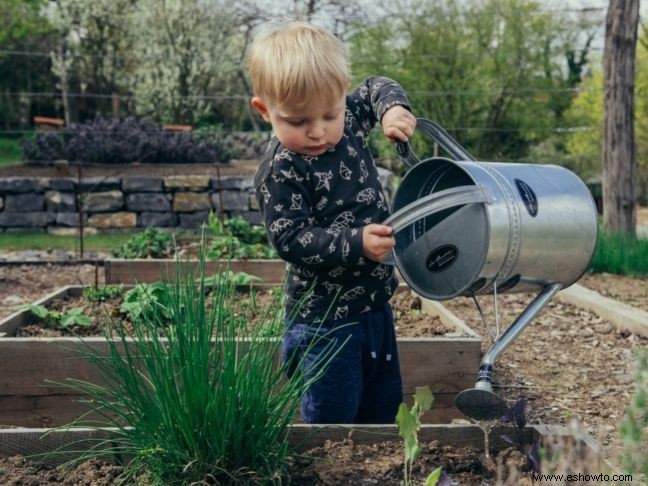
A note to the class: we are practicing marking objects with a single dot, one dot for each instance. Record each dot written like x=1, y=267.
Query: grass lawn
x=10, y=151
x=44, y=241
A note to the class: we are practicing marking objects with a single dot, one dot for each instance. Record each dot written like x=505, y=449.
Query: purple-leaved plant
x=516, y=415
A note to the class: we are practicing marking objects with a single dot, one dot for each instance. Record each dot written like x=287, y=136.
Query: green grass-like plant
x=620, y=253
x=191, y=402
x=634, y=426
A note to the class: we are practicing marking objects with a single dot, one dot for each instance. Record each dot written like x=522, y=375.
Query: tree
x=619, y=157
x=495, y=73
x=23, y=32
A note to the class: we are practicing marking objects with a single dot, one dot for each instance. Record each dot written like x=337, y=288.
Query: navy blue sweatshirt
x=314, y=210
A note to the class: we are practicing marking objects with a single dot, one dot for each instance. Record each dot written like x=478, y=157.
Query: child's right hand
x=377, y=241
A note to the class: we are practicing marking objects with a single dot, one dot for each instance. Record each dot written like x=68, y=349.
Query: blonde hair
x=291, y=62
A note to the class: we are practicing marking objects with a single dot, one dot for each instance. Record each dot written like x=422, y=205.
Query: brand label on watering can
x=528, y=197
x=441, y=258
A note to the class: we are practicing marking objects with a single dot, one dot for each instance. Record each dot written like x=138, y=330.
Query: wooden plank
x=32, y=367
x=29, y=364
x=620, y=314
x=130, y=272
x=302, y=436
x=449, y=319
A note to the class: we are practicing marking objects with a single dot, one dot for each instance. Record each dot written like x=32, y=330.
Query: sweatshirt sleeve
x=283, y=190
x=369, y=101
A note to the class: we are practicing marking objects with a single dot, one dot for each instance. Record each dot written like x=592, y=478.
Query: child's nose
x=316, y=131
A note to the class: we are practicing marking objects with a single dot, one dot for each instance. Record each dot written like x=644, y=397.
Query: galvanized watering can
x=464, y=227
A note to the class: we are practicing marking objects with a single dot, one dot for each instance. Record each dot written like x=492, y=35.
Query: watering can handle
x=435, y=202
x=440, y=136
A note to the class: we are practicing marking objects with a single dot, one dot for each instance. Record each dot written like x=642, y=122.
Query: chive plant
x=191, y=401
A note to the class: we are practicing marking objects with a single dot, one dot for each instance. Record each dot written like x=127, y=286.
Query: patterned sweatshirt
x=314, y=210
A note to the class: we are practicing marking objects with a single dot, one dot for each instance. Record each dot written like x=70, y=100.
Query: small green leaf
x=406, y=424
x=433, y=478
x=38, y=310
x=423, y=396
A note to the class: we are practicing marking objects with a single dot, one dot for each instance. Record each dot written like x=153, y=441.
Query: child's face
x=310, y=130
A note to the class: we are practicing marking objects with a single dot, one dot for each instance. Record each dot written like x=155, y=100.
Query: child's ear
x=261, y=108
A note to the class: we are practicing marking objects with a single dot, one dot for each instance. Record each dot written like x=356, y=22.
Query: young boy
x=322, y=202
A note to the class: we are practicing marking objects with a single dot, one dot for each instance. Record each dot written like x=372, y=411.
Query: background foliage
x=511, y=80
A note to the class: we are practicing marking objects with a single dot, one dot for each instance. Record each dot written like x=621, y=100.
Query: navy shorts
x=362, y=383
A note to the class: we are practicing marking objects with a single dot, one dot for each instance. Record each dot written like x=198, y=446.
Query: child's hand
x=377, y=241
x=398, y=123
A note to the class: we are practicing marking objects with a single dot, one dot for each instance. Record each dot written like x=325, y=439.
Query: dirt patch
x=23, y=284
x=569, y=363
x=18, y=471
x=409, y=320
x=347, y=463
x=632, y=291
x=333, y=464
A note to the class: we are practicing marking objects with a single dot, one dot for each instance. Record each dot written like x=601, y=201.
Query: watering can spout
x=480, y=402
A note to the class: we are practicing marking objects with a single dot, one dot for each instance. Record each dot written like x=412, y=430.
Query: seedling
x=237, y=238
x=56, y=319
x=516, y=416
x=101, y=294
x=409, y=423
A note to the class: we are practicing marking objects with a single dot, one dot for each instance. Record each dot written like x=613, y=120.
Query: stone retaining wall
x=125, y=203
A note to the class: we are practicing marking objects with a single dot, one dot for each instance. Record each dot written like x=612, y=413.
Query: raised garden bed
x=368, y=454
x=130, y=272
x=445, y=360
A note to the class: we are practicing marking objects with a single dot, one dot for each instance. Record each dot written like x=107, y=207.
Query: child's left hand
x=398, y=123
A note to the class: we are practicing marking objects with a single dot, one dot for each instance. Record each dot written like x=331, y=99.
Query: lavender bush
x=104, y=141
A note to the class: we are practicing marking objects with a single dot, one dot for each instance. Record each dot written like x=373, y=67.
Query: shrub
x=151, y=243
x=104, y=141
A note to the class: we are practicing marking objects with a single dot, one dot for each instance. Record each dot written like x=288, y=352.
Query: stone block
x=142, y=184
x=59, y=231
x=187, y=183
x=62, y=184
x=35, y=219
x=24, y=202
x=103, y=202
x=62, y=202
x=193, y=220
x=144, y=220
x=253, y=217
x=236, y=201
x=96, y=184
x=254, y=203
x=18, y=185
x=69, y=219
x=238, y=183
x=113, y=220
x=188, y=202
x=148, y=201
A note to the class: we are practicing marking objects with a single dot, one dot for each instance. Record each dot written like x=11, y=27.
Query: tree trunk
x=619, y=163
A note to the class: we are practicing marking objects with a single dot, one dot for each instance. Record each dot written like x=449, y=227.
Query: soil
x=408, y=318
x=381, y=464
x=569, y=363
